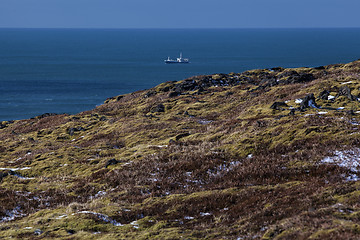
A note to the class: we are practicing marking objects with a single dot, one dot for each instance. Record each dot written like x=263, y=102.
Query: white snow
x=330, y=97
x=349, y=159
x=16, y=169
x=340, y=108
x=188, y=218
x=61, y=216
x=322, y=113
x=135, y=224
x=346, y=82
x=12, y=214
x=103, y=217
x=204, y=214
x=298, y=101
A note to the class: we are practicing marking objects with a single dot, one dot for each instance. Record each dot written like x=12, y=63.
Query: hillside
x=263, y=154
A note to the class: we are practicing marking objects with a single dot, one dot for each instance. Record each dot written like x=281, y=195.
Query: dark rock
x=261, y=123
x=345, y=91
x=165, y=89
x=3, y=174
x=174, y=94
x=278, y=105
x=178, y=137
x=308, y=101
x=295, y=77
x=38, y=232
x=229, y=94
x=71, y=231
x=150, y=93
x=71, y=131
x=319, y=68
x=186, y=85
x=324, y=95
x=292, y=112
x=118, y=98
x=158, y=108
x=277, y=69
x=46, y=115
x=288, y=74
x=111, y=162
x=351, y=112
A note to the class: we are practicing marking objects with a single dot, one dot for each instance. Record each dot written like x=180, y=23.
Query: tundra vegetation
x=263, y=154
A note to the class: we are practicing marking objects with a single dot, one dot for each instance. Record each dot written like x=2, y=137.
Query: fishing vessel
x=178, y=60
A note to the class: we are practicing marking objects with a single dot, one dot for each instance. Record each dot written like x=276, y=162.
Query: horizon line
x=178, y=28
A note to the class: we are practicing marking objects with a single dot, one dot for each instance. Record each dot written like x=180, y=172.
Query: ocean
x=73, y=70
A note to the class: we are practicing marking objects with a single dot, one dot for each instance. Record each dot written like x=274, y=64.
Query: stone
x=174, y=94
x=308, y=101
x=111, y=162
x=346, y=91
x=324, y=95
x=158, y=108
x=278, y=105
x=182, y=135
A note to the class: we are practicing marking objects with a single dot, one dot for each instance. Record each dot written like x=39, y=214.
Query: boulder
x=174, y=94
x=308, y=101
x=345, y=91
x=324, y=95
x=158, y=108
x=278, y=105
x=71, y=131
x=111, y=162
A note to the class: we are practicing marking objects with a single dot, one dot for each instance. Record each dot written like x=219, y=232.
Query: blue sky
x=179, y=13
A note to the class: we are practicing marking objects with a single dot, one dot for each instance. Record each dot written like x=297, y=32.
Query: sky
x=179, y=13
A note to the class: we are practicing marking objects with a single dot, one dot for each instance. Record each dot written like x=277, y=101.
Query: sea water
x=73, y=70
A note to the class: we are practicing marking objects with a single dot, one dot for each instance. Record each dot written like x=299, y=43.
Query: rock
x=295, y=77
x=319, y=68
x=111, y=162
x=46, y=115
x=118, y=98
x=149, y=94
x=3, y=174
x=71, y=231
x=292, y=112
x=277, y=69
x=308, y=101
x=174, y=94
x=345, y=91
x=165, y=89
x=158, y=108
x=178, y=137
x=71, y=131
x=278, y=105
x=38, y=232
x=324, y=95
x=186, y=85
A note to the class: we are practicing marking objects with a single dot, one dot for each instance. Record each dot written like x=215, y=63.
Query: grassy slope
x=217, y=163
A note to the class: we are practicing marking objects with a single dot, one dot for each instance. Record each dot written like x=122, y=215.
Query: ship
x=178, y=60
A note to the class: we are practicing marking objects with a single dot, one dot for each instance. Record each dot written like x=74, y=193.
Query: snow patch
x=349, y=159
x=321, y=113
x=330, y=97
x=12, y=214
x=346, y=82
x=102, y=217
x=16, y=169
x=298, y=101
